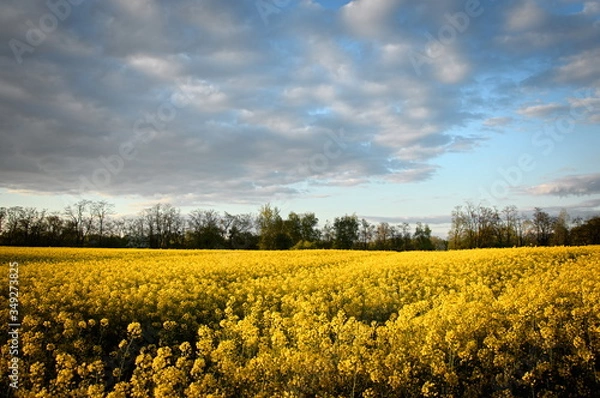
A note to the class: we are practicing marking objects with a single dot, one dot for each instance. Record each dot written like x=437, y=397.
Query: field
x=141, y=323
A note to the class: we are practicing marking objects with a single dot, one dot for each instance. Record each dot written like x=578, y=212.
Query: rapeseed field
x=145, y=323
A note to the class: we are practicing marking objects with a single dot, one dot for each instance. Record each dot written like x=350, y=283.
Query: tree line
x=478, y=226
x=94, y=224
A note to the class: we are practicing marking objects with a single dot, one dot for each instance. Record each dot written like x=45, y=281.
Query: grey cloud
x=397, y=220
x=267, y=97
x=577, y=185
x=583, y=210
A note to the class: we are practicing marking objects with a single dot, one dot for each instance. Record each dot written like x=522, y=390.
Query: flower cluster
x=138, y=323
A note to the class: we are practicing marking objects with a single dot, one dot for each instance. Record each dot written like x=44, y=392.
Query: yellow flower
x=169, y=325
x=134, y=330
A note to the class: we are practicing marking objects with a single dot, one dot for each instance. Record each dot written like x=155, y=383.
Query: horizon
x=383, y=109
x=395, y=222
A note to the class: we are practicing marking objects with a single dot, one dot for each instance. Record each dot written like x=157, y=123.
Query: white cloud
x=543, y=110
x=369, y=18
x=155, y=66
x=525, y=16
x=395, y=53
x=582, y=67
x=497, y=121
x=450, y=67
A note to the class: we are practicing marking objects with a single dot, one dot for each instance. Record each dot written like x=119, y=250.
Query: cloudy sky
x=396, y=110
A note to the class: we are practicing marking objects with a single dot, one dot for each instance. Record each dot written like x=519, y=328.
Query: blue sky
x=393, y=110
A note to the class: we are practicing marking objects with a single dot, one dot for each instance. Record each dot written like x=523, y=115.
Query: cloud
x=216, y=105
x=533, y=29
x=542, y=111
x=525, y=16
x=497, y=121
x=591, y=7
x=577, y=185
x=437, y=219
x=440, y=224
x=586, y=105
x=584, y=210
x=580, y=68
x=369, y=17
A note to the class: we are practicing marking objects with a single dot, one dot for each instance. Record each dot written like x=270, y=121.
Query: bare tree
x=54, y=228
x=3, y=213
x=458, y=229
x=560, y=229
x=542, y=226
x=165, y=226
x=406, y=236
x=80, y=219
x=471, y=225
x=383, y=234
x=365, y=233
x=239, y=231
x=488, y=221
x=101, y=210
x=508, y=229
x=206, y=229
x=520, y=229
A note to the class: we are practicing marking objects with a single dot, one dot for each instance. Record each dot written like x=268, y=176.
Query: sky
x=394, y=110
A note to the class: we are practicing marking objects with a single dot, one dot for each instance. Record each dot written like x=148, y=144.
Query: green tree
x=587, y=233
x=422, y=237
x=309, y=230
x=346, y=231
x=273, y=234
x=293, y=228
